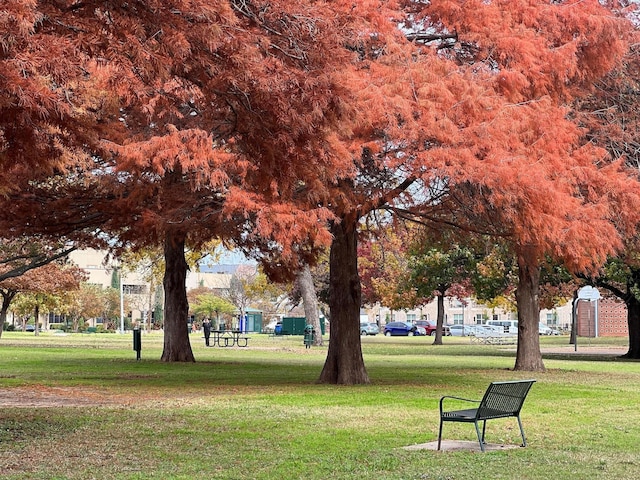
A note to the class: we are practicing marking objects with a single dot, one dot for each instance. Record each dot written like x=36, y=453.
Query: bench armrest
x=456, y=398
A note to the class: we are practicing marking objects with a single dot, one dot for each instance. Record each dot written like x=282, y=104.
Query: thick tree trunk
x=310, y=302
x=528, y=356
x=7, y=297
x=439, y=320
x=633, y=322
x=344, y=364
x=177, y=347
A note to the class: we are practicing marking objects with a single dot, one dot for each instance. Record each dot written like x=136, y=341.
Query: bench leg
x=480, y=438
x=440, y=434
x=484, y=429
x=524, y=440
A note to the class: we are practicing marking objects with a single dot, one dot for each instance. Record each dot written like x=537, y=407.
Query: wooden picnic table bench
x=501, y=400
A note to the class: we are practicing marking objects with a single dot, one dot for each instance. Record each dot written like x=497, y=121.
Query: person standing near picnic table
x=206, y=327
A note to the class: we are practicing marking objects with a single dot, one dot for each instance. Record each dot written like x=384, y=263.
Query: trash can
x=309, y=333
x=137, y=342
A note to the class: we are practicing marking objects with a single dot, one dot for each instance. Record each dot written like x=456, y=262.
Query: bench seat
x=501, y=400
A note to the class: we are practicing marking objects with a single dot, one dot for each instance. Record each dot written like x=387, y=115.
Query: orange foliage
x=237, y=120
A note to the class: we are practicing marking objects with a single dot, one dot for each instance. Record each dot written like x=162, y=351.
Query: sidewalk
x=586, y=350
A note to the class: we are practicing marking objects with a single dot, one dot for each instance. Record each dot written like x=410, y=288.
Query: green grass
x=257, y=413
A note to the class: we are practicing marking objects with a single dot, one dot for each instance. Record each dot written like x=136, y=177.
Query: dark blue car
x=399, y=328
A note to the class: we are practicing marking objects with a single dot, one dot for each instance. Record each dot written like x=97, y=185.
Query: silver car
x=463, y=330
x=368, y=329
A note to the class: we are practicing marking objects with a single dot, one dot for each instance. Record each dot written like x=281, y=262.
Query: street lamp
x=121, y=301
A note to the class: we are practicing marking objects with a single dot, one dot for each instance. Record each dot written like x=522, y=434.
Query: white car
x=544, y=330
x=462, y=330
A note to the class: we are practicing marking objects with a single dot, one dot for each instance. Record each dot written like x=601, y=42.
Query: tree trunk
x=528, y=356
x=344, y=364
x=36, y=313
x=439, y=320
x=177, y=347
x=310, y=302
x=633, y=323
x=7, y=297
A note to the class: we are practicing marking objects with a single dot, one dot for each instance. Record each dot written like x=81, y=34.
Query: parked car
x=368, y=329
x=30, y=328
x=430, y=327
x=543, y=329
x=463, y=330
x=420, y=330
x=399, y=328
x=546, y=330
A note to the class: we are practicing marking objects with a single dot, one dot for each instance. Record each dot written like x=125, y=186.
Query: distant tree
x=208, y=304
x=240, y=293
x=384, y=269
x=441, y=271
x=304, y=282
x=83, y=304
x=39, y=286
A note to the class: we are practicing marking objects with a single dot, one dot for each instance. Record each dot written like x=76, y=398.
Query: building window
x=411, y=317
x=479, y=318
x=458, y=319
x=552, y=318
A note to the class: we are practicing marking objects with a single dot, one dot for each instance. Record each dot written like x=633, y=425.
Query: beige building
x=139, y=294
x=468, y=313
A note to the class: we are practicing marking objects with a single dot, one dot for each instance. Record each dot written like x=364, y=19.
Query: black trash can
x=309, y=333
x=137, y=342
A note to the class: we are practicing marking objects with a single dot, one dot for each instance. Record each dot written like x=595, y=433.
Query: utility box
x=296, y=325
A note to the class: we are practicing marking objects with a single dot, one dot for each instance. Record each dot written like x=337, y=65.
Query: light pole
x=121, y=301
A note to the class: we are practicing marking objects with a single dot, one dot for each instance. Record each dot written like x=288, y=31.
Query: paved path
x=459, y=445
x=586, y=350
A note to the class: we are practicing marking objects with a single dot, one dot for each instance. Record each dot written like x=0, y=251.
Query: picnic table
x=229, y=338
x=494, y=338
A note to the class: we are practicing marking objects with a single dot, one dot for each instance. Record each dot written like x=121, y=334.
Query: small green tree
x=207, y=304
x=441, y=272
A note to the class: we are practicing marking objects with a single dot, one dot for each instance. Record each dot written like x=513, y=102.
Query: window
x=411, y=317
x=458, y=319
x=479, y=318
x=552, y=318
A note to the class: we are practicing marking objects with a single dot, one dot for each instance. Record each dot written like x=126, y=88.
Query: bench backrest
x=503, y=399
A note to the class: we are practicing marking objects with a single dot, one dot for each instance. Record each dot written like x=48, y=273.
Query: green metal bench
x=501, y=400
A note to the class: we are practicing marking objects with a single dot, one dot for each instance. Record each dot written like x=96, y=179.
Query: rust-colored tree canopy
x=201, y=102
x=173, y=122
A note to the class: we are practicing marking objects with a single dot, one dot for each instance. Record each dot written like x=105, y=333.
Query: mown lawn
x=257, y=413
